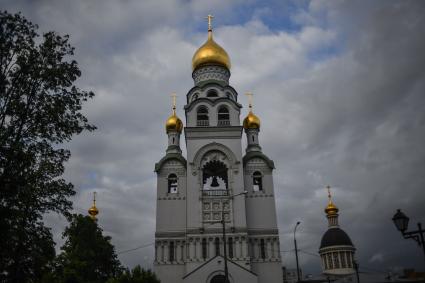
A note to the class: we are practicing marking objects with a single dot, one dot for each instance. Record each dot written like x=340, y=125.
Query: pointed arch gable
x=214, y=146
x=170, y=156
x=253, y=154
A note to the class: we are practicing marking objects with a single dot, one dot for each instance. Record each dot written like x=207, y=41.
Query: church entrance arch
x=218, y=279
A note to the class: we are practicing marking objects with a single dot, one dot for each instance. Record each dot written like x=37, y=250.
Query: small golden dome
x=174, y=123
x=210, y=53
x=251, y=121
x=331, y=209
x=93, y=211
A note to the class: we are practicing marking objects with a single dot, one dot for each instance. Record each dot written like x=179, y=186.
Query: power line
x=134, y=249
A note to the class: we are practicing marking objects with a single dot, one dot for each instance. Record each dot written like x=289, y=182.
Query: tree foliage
x=136, y=275
x=40, y=108
x=87, y=256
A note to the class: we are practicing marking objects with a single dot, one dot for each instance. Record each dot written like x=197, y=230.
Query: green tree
x=136, y=275
x=87, y=256
x=40, y=108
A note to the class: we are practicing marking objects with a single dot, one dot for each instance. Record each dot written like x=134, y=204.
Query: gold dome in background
x=210, y=52
x=93, y=211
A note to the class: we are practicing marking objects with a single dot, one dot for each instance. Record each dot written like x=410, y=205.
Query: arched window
x=217, y=246
x=230, y=242
x=257, y=181
x=172, y=184
x=202, y=118
x=223, y=116
x=212, y=93
x=204, y=248
x=214, y=178
x=262, y=249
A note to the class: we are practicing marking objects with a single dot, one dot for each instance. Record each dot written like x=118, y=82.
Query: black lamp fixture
x=401, y=222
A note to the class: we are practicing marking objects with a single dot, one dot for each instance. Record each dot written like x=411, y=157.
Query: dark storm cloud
x=340, y=98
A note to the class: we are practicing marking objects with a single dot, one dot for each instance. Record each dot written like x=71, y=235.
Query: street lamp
x=401, y=222
x=296, y=251
x=226, y=271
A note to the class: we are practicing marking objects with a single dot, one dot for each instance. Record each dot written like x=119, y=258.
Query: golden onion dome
x=331, y=209
x=93, y=211
x=174, y=123
x=251, y=121
x=210, y=53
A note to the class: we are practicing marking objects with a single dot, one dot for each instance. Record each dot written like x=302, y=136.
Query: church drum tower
x=213, y=182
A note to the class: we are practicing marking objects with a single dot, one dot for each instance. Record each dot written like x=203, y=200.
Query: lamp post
x=401, y=222
x=226, y=271
x=296, y=251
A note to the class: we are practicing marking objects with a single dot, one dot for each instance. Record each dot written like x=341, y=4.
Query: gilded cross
x=94, y=197
x=249, y=94
x=210, y=17
x=329, y=192
x=174, y=95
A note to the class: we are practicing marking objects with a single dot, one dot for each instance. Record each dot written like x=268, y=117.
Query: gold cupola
x=210, y=52
x=93, y=211
x=173, y=122
x=331, y=209
x=251, y=121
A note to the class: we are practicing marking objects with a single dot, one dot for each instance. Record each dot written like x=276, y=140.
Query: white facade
x=195, y=192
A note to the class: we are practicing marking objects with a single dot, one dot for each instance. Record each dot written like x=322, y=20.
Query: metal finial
x=174, y=96
x=94, y=198
x=209, y=18
x=329, y=193
x=249, y=94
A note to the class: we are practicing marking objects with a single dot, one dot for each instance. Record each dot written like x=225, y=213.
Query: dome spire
x=331, y=209
x=251, y=121
x=173, y=122
x=93, y=211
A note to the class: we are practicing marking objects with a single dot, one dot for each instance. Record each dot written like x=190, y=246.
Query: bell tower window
x=214, y=177
x=202, y=118
x=257, y=181
x=172, y=184
x=223, y=116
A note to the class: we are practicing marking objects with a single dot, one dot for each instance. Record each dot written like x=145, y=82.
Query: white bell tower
x=216, y=189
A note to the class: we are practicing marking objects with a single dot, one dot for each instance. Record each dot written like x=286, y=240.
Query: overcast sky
x=339, y=87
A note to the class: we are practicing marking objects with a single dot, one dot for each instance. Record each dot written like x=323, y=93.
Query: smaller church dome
x=335, y=237
x=251, y=121
x=210, y=53
x=174, y=123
